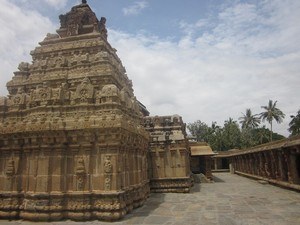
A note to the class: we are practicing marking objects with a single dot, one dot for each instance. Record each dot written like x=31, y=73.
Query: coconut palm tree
x=295, y=124
x=272, y=113
x=248, y=120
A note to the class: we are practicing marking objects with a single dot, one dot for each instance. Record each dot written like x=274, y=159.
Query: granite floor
x=230, y=200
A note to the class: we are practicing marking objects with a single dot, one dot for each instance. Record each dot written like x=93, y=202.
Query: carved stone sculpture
x=66, y=130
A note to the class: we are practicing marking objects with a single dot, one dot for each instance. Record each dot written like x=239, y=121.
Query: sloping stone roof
x=201, y=149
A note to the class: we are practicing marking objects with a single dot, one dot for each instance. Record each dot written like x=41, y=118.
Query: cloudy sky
x=201, y=59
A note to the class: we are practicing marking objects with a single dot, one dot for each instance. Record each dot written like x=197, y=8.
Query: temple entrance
x=297, y=156
x=225, y=163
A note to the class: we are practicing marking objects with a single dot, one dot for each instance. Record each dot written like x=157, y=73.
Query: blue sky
x=207, y=60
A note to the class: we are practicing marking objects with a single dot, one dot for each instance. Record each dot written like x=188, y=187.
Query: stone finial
x=84, y=2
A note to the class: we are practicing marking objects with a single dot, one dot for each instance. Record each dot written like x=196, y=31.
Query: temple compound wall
x=276, y=162
x=169, y=156
x=72, y=140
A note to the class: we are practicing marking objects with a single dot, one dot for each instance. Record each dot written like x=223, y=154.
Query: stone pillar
x=215, y=164
x=267, y=167
x=288, y=165
x=231, y=168
x=282, y=166
x=293, y=169
x=261, y=165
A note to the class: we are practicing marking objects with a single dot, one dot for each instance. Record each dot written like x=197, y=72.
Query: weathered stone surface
x=276, y=162
x=169, y=154
x=72, y=142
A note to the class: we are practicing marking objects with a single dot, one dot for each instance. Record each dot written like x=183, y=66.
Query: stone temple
x=74, y=140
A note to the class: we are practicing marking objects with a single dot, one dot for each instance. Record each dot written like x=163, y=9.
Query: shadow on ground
x=196, y=188
x=217, y=179
x=151, y=204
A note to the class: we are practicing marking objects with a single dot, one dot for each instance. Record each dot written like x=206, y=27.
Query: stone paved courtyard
x=230, y=200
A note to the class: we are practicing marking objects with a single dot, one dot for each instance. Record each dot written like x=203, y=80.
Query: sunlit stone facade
x=169, y=156
x=72, y=141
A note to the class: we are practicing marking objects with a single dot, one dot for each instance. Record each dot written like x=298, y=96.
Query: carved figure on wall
x=23, y=66
x=20, y=97
x=84, y=92
x=80, y=167
x=108, y=168
x=44, y=93
x=110, y=93
x=100, y=55
x=80, y=182
x=73, y=29
x=63, y=20
x=107, y=184
x=10, y=168
x=102, y=27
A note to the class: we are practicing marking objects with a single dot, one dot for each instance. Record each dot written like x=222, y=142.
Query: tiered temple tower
x=72, y=141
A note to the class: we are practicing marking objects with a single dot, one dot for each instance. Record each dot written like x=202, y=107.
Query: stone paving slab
x=233, y=200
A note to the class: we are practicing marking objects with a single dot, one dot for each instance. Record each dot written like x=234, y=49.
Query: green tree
x=261, y=135
x=272, y=113
x=199, y=130
x=215, y=137
x=231, y=135
x=294, y=128
x=248, y=120
x=249, y=123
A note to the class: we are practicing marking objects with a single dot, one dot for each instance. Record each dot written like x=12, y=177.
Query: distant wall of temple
x=275, y=162
x=169, y=156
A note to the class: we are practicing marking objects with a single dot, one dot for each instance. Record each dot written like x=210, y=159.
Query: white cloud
x=58, y=4
x=21, y=30
x=239, y=59
x=135, y=8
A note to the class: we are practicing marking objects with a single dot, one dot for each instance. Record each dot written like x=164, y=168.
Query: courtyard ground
x=230, y=200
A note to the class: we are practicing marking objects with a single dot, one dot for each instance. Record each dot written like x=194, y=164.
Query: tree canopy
x=272, y=113
x=294, y=128
x=248, y=120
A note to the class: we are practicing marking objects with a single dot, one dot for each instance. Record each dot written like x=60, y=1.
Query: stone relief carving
x=60, y=107
x=20, y=98
x=80, y=172
x=24, y=66
x=109, y=93
x=107, y=164
x=10, y=168
x=102, y=28
x=84, y=92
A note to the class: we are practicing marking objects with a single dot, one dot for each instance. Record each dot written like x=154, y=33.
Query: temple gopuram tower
x=72, y=141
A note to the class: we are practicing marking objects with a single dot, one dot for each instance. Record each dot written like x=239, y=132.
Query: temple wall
x=169, y=155
x=78, y=181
